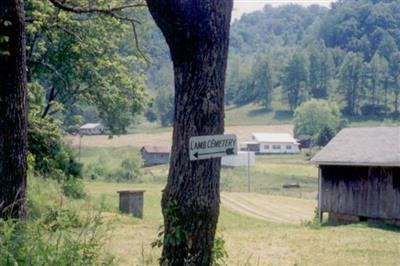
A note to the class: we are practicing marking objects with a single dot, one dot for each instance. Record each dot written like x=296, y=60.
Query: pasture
x=268, y=226
x=277, y=235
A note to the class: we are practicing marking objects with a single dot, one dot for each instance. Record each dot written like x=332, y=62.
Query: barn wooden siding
x=154, y=158
x=371, y=192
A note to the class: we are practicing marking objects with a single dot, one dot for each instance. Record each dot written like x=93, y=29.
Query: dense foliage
x=83, y=60
x=316, y=117
x=347, y=54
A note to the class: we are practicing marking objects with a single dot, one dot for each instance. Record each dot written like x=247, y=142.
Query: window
x=266, y=147
x=276, y=147
x=288, y=147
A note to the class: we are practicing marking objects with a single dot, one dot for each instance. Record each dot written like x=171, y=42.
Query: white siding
x=278, y=148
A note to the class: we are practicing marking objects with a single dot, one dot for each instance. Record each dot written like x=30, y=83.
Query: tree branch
x=80, y=10
x=49, y=67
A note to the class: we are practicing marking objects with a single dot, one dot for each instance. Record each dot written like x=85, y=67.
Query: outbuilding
x=359, y=175
x=242, y=158
x=271, y=143
x=91, y=129
x=154, y=155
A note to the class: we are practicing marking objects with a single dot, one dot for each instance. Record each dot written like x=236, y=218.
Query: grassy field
x=249, y=240
x=265, y=227
x=165, y=138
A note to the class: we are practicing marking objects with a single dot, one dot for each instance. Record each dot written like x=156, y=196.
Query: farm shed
x=153, y=155
x=91, y=129
x=243, y=158
x=271, y=143
x=359, y=175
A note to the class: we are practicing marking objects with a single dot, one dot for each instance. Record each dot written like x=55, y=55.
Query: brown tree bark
x=197, y=34
x=13, y=109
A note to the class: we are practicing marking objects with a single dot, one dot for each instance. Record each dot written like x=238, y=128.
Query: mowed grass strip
x=275, y=209
x=249, y=241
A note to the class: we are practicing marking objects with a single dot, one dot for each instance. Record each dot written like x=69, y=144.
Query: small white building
x=271, y=143
x=243, y=158
x=91, y=129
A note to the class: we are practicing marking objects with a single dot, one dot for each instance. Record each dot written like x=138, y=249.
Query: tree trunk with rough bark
x=13, y=109
x=197, y=33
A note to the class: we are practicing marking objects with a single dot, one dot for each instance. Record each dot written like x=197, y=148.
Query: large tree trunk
x=197, y=33
x=13, y=109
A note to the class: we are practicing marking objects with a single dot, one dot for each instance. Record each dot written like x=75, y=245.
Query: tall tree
x=394, y=70
x=294, y=80
x=262, y=80
x=197, y=34
x=351, y=80
x=376, y=75
x=320, y=69
x=13, y=109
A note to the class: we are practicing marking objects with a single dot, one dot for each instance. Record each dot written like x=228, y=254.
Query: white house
x=91, y=129
x=271, y=143
x=243, y=158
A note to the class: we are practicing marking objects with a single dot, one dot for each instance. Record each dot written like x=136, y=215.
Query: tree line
x=348, y=54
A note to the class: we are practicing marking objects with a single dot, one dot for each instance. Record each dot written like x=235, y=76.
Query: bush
x=50, y=157
x=53, y=234
x=150, y=115
x=325, y=135
x=95, y=170
x=73, y=188
x=130, y=170
x=313, y=116
x=59, y=238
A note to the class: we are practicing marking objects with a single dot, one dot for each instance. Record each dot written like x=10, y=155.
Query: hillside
x=283, y=56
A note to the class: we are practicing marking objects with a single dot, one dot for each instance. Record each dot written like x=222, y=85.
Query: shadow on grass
x=391, y=118
x=370, y=224
x=260, y=111
x=283, y=115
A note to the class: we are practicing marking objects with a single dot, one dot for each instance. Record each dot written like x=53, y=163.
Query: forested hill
x=281, y=57
x=260, y=31
x=363, y=26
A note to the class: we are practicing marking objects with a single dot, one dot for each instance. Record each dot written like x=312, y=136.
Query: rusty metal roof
x=156, y=149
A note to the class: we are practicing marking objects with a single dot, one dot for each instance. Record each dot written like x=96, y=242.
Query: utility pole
x=80, y=146
x=248, y=169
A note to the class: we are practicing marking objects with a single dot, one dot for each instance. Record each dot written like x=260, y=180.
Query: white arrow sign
x=207, y=147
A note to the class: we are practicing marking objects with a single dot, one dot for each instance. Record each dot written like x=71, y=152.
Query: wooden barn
x=359, y=175
x=154, y=155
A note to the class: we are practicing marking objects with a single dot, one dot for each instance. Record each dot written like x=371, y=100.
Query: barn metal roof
x=374, y=146
x=274, y=137
x=91, y=125
x=156, y=149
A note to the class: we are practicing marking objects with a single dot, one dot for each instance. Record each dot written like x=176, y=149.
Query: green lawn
x=249, y=241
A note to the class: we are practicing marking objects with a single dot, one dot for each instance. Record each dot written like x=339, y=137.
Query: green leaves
x=83, y=58
x=313, y=116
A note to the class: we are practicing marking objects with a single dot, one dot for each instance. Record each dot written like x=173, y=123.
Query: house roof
x=156, y=149
x=374, y=146
x=91, y=125
x=274, y=137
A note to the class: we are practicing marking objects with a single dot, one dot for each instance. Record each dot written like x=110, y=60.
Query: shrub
x=130, y=170
x=53, y=233
x=50, y=157
x=59, y=238
x=325, y=135
x=312, y=116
